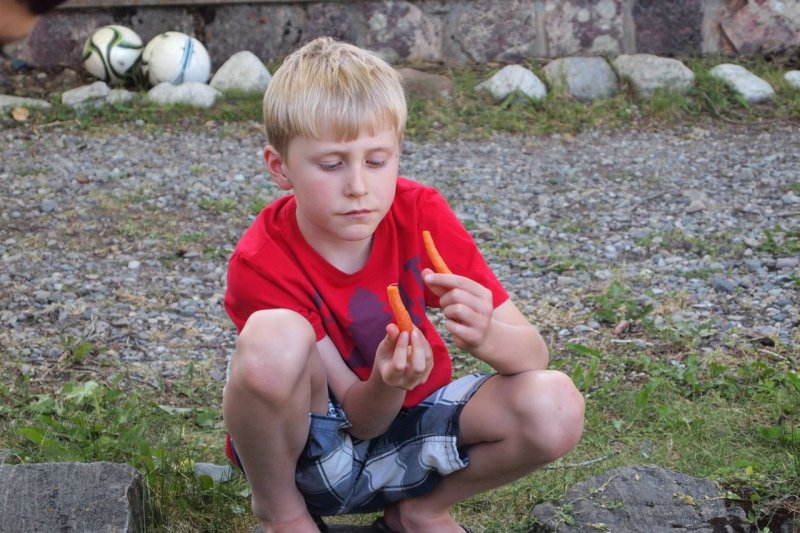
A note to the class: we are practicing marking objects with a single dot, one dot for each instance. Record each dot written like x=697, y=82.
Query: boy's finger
x=400, y=356
x=418, y=352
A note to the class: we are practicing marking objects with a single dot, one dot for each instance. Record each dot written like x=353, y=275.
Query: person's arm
x=371, y=405
x=502, y=337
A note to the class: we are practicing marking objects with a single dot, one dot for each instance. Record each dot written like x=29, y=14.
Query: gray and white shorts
x=339, y=474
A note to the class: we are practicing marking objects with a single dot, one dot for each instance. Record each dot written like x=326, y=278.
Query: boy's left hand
x=466, y=304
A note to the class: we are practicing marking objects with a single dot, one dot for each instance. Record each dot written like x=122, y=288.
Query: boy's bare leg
x=276, y=380
x=512, y=425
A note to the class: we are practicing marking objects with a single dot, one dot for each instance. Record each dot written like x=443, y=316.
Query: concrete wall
x=441, y=31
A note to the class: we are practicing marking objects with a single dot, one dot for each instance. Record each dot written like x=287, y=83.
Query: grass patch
x=473, y=114
x=732, y=415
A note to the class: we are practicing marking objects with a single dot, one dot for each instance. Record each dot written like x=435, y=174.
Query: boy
x=329, y=407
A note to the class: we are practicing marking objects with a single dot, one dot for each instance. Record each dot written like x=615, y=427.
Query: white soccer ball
x=112, y=53
x=175, y=57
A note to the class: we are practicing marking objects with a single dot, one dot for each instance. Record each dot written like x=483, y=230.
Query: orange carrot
x=438, y=263
x=400, y=313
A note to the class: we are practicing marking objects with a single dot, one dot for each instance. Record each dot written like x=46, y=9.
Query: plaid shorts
x=339, y=474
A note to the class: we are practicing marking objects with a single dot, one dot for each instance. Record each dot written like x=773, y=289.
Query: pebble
x=787, y=262
x=132, y=258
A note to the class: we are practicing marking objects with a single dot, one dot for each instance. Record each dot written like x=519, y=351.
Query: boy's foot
x=380, y=526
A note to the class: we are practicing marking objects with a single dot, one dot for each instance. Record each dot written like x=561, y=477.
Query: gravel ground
x=114, y=241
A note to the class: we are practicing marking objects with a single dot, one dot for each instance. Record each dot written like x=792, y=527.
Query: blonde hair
x=331, y=86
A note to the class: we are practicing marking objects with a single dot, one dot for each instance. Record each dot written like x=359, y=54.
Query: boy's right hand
x=403, y=360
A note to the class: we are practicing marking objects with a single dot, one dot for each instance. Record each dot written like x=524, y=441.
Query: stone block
x=763, y=27
x=669, y=28
x=150, y=21
x=344, y=22
x=588, y=27
x=401, y=31
x=483, y=30
x=71, y=497
x=58, y=38
x=270, y=31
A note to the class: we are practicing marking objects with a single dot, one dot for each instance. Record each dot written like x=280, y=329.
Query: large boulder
x=514, y=79
x=648, y=73
x=749, y=86
x=585, y=78
x=642, y=498
x=71, y=497
x=243, y=71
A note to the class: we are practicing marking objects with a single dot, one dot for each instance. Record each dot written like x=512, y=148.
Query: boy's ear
x=276, y=168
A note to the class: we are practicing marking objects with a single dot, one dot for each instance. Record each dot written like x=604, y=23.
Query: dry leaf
x=82, y=179
x=20, y=114
x=622, y=327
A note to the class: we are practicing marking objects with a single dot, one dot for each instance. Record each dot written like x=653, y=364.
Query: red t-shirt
x=274, y=267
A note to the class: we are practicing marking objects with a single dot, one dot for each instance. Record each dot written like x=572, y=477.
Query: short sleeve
x=456, y=246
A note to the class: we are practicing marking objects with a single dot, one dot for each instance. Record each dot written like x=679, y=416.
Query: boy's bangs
x=346, y=121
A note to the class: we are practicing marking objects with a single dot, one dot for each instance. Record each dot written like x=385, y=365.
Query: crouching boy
x=330, y=408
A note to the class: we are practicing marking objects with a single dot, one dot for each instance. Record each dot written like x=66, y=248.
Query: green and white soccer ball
x=112, y=53
x=175, y=57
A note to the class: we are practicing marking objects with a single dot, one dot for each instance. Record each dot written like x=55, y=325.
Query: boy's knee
x=272, y=351
x=557, y=406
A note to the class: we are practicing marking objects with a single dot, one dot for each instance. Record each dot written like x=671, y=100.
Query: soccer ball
x=175, y=57
x=112, y=53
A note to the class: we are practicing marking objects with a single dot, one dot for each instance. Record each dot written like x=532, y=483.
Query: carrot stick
x=400, y=313
x=438, y=263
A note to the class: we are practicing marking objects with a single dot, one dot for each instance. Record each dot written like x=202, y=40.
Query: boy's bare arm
x=502, y=336
x=371, y=405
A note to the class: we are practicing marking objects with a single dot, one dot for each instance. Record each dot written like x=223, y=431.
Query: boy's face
x=343, y=188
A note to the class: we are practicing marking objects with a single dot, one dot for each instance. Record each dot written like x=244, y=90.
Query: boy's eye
x=332, y=165
x=376, y=163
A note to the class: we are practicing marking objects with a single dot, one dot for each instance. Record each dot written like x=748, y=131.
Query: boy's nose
x=356, y=182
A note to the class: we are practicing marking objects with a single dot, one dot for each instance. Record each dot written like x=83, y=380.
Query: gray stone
x=425, y=85
x=8, y=101
x=92, y=94
x=793, y=78
x=585, y=78
x=695, y=206
x=752, y=88
x=583, y=27
x=641, y=498
x=120, y=96
x=218, y=473
x=514, y=79
x=190, y=93
x=647, y=73
x=790, y=198
x=243, y=71
x=787, y=262
x=71, y=497
x=723, y=285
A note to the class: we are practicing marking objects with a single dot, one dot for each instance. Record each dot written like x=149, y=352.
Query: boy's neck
x=349, y=258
